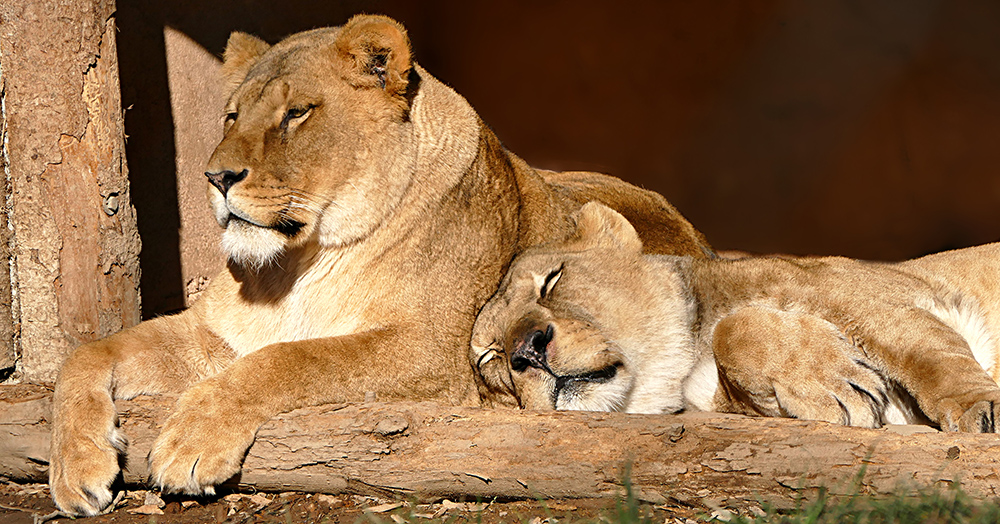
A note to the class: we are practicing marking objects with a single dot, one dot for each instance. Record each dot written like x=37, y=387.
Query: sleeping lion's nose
x=531, y=351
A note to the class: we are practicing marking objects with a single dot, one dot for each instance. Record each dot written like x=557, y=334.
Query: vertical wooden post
x=74, y=244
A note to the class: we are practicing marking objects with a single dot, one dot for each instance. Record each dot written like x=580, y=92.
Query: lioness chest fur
x=368, y=215
x=593, y=323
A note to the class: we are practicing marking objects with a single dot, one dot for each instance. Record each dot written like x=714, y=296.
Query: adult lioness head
x=317, y=142
x=571, y=323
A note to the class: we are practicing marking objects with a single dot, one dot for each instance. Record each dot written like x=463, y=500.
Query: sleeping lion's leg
x=935, y=365
x=785, y=364
x=157, y=356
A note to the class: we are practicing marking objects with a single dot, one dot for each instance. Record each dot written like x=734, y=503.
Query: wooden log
x=427, y=451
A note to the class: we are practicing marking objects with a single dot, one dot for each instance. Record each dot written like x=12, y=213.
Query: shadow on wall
x=865, y=129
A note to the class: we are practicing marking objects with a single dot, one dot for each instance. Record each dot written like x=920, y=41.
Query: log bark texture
x=73, y=257
x=428, y=451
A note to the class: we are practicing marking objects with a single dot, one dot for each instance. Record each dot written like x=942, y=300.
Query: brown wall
x=866, y=129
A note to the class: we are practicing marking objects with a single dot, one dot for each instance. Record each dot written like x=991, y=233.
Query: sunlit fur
x=963, y=313
x=646, y=327
x=251, y=246
x=830, y=339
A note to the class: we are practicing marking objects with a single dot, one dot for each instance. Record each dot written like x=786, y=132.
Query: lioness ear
x=600, y=226
x=242, y=52
x=375, y=52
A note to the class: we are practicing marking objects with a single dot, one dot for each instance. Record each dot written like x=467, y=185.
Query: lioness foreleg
x=203, y=443
x=153, y=357
x=786, y=364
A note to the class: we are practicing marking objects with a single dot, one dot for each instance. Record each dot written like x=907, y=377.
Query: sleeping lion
x=592, y=323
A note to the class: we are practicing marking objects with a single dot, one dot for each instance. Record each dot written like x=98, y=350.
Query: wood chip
x=146, y=509
x=329, y=500
x=447, y=504
x=152, y=499
x=384, y=507
x=259, y=500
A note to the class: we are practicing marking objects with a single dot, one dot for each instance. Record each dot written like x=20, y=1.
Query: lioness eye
x=295, y=113
x=230, y=118
x=550, y=282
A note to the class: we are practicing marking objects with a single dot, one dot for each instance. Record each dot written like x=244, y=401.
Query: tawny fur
x=369, y=214
x=832, y=339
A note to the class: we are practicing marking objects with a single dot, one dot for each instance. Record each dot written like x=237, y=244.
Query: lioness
x=368, y=215
x=592, y=323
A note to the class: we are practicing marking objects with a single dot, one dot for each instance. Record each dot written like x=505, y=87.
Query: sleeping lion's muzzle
x=532, y=351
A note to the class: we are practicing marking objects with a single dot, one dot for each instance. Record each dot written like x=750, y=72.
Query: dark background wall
x=862, y=128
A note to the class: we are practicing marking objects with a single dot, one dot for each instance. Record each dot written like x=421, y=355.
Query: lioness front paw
x=82, y=466
x=201, y=445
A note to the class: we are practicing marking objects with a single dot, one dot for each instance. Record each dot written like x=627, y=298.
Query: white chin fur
x=251, y=246
x=609, y=396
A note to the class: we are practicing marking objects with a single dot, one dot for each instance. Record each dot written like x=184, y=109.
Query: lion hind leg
x=935, y=364
x=962, y=313
x=790, y=364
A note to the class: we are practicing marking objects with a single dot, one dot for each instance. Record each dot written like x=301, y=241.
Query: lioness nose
x=225, y=179
x=531, y=352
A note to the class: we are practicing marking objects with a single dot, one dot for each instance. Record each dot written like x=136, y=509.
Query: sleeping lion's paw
x=845, y=391
x=84, y=455
x=981, y=417
x=201, y=445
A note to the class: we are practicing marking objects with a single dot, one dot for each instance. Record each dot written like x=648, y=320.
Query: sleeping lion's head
x=318, y=144
x=586, y=325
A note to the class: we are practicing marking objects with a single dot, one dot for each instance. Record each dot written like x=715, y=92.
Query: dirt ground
x=30, y=503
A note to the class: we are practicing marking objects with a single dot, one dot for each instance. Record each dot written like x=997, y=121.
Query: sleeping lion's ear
x=600, y=226
x=375, y=52
x=242, y=52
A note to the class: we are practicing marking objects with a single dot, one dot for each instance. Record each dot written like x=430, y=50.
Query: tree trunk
x=427, y=451
x=8, y=355
x=73, y=255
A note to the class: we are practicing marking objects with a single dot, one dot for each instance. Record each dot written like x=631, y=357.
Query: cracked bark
x=73, y=254
x=8, y=353
x=426, y=451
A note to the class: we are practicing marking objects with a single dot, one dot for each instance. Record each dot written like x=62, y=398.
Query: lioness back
x=662, y=228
